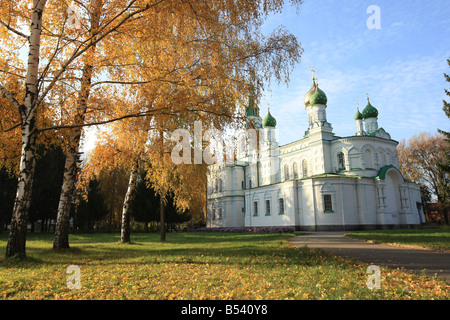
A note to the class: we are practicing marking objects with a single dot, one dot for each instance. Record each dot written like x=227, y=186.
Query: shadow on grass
x=181, y=248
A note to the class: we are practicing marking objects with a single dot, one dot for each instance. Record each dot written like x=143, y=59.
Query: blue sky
x=400, y=65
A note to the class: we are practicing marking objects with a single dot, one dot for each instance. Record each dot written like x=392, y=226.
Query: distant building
x=320, y=182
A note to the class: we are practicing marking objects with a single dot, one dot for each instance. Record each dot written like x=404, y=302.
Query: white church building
x=319, y=182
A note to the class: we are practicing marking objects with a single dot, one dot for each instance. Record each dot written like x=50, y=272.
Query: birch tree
x=200, y=51
x=27, y=111
x=420, y=158
x=47, y=23
x=195, y=63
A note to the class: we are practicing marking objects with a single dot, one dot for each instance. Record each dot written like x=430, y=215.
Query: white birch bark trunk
x=61, y=240
x=125, y=228
x=19, y=220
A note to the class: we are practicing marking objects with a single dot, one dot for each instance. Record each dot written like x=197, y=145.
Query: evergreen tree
x=91, y=209
x=47, y=184
x=8, y=186
x=445, y=166
x=173, y=216
x=446, y=106
x=145, y=204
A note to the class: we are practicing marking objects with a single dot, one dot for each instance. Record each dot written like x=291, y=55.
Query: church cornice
x=363, y=138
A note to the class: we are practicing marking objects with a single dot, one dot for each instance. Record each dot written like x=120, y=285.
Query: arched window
x=243, y=145
x=327, y=203
x=295, y=170
x=381, y=159
x=281, y=205
x=368, y=160
x=305, y=168
x=341, y=161
x=220, y=185
x=286, y=172
x=255, y=208
x=267, y=207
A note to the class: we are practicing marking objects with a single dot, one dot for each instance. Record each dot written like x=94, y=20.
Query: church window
x=250, y=183
x=242, y=184
x=305, y=168
x=255, y=208
x=295, y=170
x=281, y=205
x=220, y=185
x=341, y=161
x=219, y=213
x=286, y=172
x=267, y=207
x=327, y=203
x=214, y=214
x=381, y=159
x=243, y=145
x=368, y=160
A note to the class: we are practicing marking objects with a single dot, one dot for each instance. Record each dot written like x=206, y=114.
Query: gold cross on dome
x=312, y=70
x=357, y=106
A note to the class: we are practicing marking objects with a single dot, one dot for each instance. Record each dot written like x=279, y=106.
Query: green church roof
x=369, y=111
x=315, y=95
x=310, y=92
x=269, y=120
x=318, y=97
x=358, y=115
x=251, y=110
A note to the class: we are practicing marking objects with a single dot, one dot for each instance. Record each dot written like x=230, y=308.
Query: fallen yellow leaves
x=270, y=271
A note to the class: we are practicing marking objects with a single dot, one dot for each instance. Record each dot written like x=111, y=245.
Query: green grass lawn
x=433, y=238
x=198, y=266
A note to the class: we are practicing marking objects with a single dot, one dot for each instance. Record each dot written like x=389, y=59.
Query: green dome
x=269, y=121
x=369, y=111
x=310, y=93
x=252, y=109
x=318, y=97
x=358, y=115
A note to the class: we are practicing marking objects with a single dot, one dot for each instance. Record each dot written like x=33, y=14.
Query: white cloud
x=408, y=95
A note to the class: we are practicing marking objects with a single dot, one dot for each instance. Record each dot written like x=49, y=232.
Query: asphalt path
x=412, y=259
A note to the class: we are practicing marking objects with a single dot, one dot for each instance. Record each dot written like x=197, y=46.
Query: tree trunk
x=162, y=219
x=145, y=226
x=125, y=229
x=18, y=230
x=111, y=202
x=61, y=240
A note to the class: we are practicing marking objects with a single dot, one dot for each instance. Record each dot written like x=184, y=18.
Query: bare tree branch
x=133, y=115
x=9, y=96
x=93, y=40
x=14, y=30
x=13, y=127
